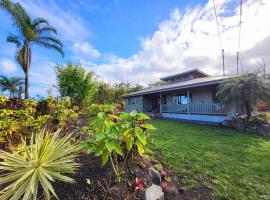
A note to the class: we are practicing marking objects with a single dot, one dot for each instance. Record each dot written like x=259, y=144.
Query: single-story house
x=190, y=95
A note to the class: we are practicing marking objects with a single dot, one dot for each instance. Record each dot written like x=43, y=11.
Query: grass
x=233, y=165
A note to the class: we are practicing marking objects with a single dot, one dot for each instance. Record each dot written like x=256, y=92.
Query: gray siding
x=134, y=103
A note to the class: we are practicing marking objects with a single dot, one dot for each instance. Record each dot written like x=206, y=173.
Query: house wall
x=134, y=103
x=202, y=95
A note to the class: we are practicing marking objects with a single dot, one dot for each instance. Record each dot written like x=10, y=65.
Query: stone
x=154, y=192
x=227, y=123
x=154, y=175
x=266, y=127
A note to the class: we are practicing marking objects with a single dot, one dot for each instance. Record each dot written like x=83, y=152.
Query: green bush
x=112, y=136
x=45, y=159
x=97, y=108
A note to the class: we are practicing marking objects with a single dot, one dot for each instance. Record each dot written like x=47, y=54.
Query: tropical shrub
x=75, y=82
x=45, y=159
x=15, y=124
x=244, y=90
x=97, y=108
x=113, y=136
x=64, y=113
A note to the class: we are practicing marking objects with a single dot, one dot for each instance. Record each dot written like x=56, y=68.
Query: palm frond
x=50, y=43
x=17, y=13
x=14, y=39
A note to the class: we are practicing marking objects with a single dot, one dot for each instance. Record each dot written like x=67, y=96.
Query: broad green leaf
x=142, y=116
x=141, y=136
x=139, y=147
x=110, y=145
x=99, y=148
x=118, y=149
x=129, y=142
x=148, y=126
x=105, y=157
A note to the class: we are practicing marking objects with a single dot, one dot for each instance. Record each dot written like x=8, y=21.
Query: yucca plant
x=44, y=160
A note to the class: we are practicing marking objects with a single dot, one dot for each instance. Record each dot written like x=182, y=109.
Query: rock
x=154, y=192
x=266, y=127
x=173, y=191
x=227, y=123
x=239, y=126
x=183, y=189
x=155, y=175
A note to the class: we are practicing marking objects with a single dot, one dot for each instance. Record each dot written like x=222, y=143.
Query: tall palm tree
x=11, y=84
x=245, y=90
x=31, y=32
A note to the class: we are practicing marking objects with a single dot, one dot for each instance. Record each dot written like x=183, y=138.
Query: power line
x=219, y=36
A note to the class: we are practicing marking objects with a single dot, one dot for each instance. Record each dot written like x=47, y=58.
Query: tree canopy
x=75, y=82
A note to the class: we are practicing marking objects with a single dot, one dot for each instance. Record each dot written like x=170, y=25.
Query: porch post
x=188, y=102
x=160, y=103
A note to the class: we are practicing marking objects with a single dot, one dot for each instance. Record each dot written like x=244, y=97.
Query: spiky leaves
x=45, y=160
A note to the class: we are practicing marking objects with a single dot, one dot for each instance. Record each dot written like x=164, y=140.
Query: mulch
x=104, y=187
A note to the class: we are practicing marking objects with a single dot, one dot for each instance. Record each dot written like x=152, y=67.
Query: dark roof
x=183, y=73
x=181, y=85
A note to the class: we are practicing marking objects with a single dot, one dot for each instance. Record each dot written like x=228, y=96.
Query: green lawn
x=234, y=165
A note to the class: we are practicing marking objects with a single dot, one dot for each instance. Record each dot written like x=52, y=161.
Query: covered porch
x=198, y=101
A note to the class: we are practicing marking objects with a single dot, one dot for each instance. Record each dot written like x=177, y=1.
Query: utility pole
x=237, y=61
x=223, y=65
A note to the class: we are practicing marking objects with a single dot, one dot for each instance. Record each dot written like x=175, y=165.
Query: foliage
x=11, y=85
x=107, y=93
x=97, y=108
x=245, y=89
x=112, y=136
x=36, y=31
x=73, y=81
x=64, y=113
x=15, y=124
x=233, y=165
x=45, y=159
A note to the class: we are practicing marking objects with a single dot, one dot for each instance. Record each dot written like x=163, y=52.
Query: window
x=164, y=100
x=182, y=99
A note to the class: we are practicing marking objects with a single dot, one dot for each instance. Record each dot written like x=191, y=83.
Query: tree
x=31, y=32
x=245, y=89
x=73, y=81
x=10, y=84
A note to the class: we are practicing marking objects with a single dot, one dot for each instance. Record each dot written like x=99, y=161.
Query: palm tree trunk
x=248, y=109
x=26, y=95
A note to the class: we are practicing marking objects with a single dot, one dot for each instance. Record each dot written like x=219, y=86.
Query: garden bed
x=103, y=186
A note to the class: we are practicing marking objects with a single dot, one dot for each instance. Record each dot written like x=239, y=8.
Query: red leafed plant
x=165, y=173
x=139, y=184
x=164, y=186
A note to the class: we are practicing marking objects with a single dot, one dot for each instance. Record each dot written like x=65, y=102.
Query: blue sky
x=140, y=41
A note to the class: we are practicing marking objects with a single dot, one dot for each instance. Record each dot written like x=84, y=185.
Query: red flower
x=165, y=173
x=139, y=184
x=164, y=186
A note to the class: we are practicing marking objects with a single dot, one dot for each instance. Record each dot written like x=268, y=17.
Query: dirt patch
x=103, y=186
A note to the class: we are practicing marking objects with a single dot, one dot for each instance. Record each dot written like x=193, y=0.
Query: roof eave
x=175, y=88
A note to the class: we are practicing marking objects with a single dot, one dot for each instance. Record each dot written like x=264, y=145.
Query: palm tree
x=11, y=84
x=245, y=90
x=30, y=32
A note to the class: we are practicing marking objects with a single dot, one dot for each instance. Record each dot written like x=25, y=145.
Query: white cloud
x=70, y=26
x=189, y=40
x=85, y=50
x=8, y=65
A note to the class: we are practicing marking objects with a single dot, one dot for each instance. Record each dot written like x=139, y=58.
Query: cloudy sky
x=140, y=41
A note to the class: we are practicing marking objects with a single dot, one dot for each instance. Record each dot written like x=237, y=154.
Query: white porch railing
x=195, y=108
